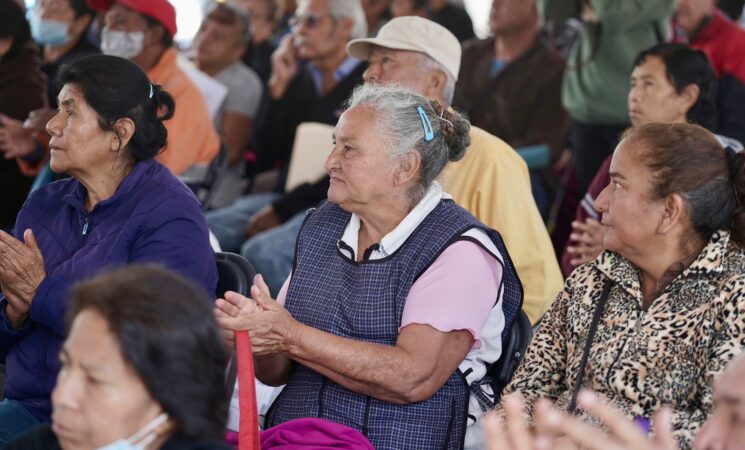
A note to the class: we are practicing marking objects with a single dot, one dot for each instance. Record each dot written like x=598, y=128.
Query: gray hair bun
x=455, y=129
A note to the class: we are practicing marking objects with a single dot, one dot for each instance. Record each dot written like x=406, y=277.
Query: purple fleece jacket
x=152, y=218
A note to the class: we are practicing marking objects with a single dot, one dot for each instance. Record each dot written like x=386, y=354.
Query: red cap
x=160, y=10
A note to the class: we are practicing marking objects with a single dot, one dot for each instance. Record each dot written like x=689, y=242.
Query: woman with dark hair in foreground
x=142, y=367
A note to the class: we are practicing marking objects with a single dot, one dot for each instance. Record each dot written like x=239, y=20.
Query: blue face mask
x=48, y=31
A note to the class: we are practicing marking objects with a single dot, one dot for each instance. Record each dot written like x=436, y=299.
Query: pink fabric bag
x=305, y=434
x=313, y=434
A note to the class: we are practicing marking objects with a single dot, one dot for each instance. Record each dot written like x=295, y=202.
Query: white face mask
x=139, y=440
x=121, y=43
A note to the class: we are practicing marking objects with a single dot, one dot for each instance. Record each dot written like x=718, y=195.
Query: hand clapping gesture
x=271, y=327
x=21, y=273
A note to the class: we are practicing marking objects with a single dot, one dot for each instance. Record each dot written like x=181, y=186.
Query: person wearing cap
x=422, y=55
x=491, y=181
x=510, y=85
x=391, y=286
x=142, y=31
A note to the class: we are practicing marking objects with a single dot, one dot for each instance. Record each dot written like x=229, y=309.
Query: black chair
x=235, y=274
x=206, y=187
x=513, y=351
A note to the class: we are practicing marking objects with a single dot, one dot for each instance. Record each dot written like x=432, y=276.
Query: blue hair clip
x=428, y=133
x=151, y=91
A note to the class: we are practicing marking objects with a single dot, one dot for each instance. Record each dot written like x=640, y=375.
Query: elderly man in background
x=263, y=227
x=510, y=85
x=217, y=50
x=142, y=31
x=400, y=56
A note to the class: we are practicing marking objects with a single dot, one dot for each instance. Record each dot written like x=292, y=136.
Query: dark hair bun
x=163, y=103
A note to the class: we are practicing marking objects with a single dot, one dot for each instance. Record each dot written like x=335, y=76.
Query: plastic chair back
x=313, y=144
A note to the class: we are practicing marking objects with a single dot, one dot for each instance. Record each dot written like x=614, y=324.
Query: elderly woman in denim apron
x=391, y=285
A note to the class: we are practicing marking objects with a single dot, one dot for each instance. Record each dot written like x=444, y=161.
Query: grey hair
x=399, y=123
x=240, y=13
x=426, y=64
x=352, y=10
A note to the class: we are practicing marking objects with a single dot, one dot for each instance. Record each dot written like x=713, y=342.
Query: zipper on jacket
x=85, y=227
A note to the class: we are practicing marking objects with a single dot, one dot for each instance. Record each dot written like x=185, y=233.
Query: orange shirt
x=191, y=137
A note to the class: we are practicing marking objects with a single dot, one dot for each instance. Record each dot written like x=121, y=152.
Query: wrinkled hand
x=16, y=141
x=21, y=273
x=587, y=241
x=285, y=65
x=271, y=328
x=264, y=219
x=623, y=434
x=233, y=305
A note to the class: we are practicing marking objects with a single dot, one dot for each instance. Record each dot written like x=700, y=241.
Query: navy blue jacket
x=151, y=218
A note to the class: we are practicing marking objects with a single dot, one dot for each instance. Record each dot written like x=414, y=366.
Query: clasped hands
x=586, y=241
x=270, y=326
x=21, y=273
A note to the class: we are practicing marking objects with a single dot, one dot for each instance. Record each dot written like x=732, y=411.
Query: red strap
x=248, y=435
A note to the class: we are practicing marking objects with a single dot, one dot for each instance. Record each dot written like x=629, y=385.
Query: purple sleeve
x=164, y=244
x=456, y=292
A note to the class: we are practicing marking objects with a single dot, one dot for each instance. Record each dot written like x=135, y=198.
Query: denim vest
x=365, y=301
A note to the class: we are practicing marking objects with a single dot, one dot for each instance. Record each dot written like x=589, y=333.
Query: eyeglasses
x=310, y=20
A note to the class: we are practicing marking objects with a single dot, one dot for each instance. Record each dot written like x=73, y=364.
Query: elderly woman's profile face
x=78, y=144
x=626, y=203
x=99, y=398
x=360, y=167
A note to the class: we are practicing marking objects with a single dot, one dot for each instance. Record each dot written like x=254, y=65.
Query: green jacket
x=596, y=82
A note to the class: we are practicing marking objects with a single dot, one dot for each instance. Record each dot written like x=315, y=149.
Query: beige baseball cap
x=414, y=34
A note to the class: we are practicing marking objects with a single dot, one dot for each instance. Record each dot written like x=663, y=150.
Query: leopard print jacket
x=668, y=354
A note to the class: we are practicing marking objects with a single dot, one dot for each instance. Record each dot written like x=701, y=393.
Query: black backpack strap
x=597, y=314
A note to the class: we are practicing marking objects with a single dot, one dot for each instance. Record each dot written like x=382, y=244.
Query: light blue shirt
x=340, y=73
